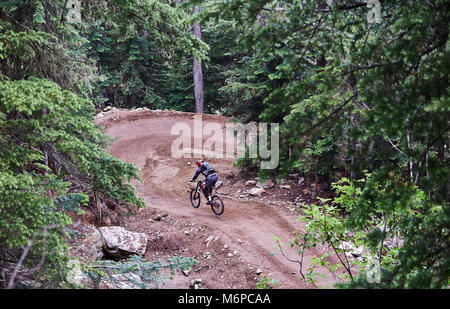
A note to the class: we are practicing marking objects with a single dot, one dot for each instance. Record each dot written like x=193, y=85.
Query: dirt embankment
x=233, y=250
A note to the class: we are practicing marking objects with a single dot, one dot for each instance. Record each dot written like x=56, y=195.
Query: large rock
x=89, y=245
x=120, y=243
x=94, y=245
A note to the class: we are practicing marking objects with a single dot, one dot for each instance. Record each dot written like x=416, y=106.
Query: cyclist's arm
x=199, y=170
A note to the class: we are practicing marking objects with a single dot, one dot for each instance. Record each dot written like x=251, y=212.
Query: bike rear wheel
x=217, y=205
x=195, y=198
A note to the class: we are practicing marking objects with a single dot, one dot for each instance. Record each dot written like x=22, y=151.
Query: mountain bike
x=216, y=202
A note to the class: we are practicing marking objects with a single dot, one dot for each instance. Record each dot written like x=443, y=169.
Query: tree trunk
x=197, y=70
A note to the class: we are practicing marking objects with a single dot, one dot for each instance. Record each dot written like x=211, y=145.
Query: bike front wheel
x=195, y=198
x=217, y=205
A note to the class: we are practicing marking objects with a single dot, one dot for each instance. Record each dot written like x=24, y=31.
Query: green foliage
x=143, y=61
x=353, y=97
x=265, y=283
x=388, y=215
x=72, y=202
x=46, y=136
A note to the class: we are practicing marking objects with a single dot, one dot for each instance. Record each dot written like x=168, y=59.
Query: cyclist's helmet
x=199, y=163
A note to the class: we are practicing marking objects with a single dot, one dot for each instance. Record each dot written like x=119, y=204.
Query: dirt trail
x=144, y=139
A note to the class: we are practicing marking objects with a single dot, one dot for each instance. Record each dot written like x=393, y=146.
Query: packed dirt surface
x=235, y=249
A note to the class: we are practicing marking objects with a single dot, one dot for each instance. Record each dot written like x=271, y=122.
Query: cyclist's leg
x=209, y=184
x=214, y=181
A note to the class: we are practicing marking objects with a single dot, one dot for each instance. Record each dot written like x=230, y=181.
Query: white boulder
x=119, y=242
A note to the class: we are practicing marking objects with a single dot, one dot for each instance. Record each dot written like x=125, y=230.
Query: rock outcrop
x=120, y=243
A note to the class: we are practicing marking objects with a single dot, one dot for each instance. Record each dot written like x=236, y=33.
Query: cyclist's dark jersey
x=205, y=169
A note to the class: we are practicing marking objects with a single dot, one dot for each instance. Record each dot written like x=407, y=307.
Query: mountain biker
x=211, y=177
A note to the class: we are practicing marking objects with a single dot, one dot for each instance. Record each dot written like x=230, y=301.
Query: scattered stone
x=210, y=239
x=107, y=109
x=186, y=272
x=76, y=224
x=250, y=183
x=257, y=191
x=266, y=184
x=195, y=284
x=258, y=271
x=219, y=184
x=356, y=254
x=230, y=255
x=287, y=187
x=345, y=245
x=207, y=255
x=301, y=180
x=293, y=175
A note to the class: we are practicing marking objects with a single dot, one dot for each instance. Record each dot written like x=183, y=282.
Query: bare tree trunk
x=198, y=73
x=98, y=205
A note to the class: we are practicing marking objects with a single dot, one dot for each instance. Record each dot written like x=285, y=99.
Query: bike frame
x=201, y=185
